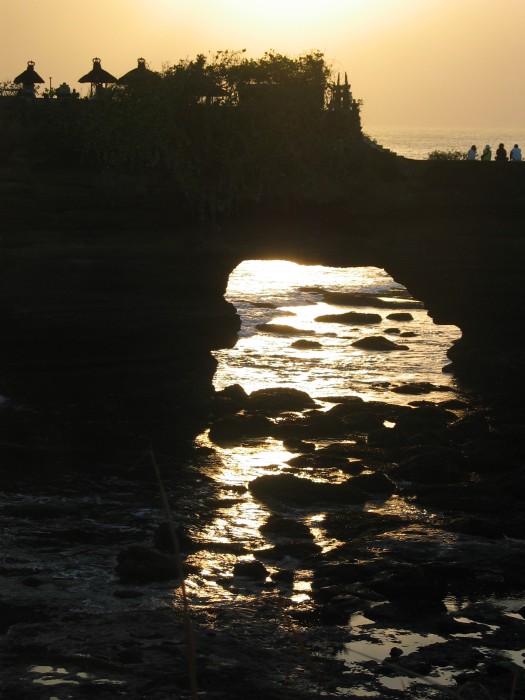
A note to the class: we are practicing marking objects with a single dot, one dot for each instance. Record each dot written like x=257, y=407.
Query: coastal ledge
x=113, y=292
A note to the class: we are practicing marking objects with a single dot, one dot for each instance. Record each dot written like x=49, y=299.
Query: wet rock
x=339, y=609
x=311, y=426
x=355, y=524
x=352, y=317
x=474, y=426
x=292, y=489
x=453, y=404
x=250, y=569
x=408, y=582
x=235, y=393
x=352, y=467
x=332, y=578
x=282, y=329
x=231, y=428
x=429, y=439
x=492, y=457
x=307, y=460
x=374, y=484
x=387, y=437
x=424, y=418
x=418, y=388
x=378, y=342
x=298, y=445
x=137, y=563
x=285, y=527
x=435, y=466
x=280, y=399
x=452, y=653
x=358, y=417
x=283, y=576
x=306, y=345
x=477, y=527
x=347, y=400
x=394, y=666
x=343, y=463
x=392, y=331
x=408, y=334
x=400, y=316
x=324, y=593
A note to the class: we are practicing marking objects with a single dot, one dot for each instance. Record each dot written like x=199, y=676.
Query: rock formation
x=112, y=295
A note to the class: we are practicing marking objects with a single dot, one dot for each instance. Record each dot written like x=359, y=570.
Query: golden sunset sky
x=414, y=63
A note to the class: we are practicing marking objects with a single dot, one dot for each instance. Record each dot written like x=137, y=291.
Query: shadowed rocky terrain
x=111, y=301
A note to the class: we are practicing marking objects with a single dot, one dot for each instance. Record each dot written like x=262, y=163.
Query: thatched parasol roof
x=97, y=75
x=29, y=76
x=138, y=74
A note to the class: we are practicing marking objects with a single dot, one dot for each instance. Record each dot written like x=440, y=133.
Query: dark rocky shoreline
x=111, y=303
x=120, y=634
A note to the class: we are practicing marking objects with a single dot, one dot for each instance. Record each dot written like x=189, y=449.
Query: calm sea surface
x=418, y=143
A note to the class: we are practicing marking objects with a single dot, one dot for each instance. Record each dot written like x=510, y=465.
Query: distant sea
x=417, y=143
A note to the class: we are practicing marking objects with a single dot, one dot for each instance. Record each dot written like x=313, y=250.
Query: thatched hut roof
x=138, y=74
x=97, y=75
x=29, y=76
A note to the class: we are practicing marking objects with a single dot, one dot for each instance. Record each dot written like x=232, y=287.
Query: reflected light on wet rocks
x=281, y=292
x=261, y=290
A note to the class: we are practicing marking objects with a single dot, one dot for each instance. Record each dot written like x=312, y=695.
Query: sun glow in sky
x=413, y=62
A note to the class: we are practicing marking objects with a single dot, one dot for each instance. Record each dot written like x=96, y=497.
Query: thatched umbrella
x=139, y=75
x=29, y=78
x=98, y=77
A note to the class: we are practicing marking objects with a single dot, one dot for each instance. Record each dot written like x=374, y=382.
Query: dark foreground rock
x=138, y=654
x=292, y=489
x=351, y=317
x=378, y=342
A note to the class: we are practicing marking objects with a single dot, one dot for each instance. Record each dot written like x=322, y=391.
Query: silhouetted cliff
x=112, y=293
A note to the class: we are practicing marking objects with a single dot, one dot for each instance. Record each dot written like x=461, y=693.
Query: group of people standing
x=501, y=153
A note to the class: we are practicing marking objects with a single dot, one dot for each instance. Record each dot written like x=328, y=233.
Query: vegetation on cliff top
x=223, y=130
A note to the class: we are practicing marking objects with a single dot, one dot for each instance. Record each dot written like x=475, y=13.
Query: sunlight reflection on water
x=285, y=293
x=262, y=290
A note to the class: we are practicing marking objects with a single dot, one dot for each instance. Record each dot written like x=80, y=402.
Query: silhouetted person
x=501, y=153
x=515, y=153
x=473, y=153
x=487, y=153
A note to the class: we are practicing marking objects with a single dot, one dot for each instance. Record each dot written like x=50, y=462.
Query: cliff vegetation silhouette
x=222, y=130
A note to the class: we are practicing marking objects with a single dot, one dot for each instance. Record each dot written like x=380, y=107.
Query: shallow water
x=285, y=293
x=337, y=368
x=282, y=292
